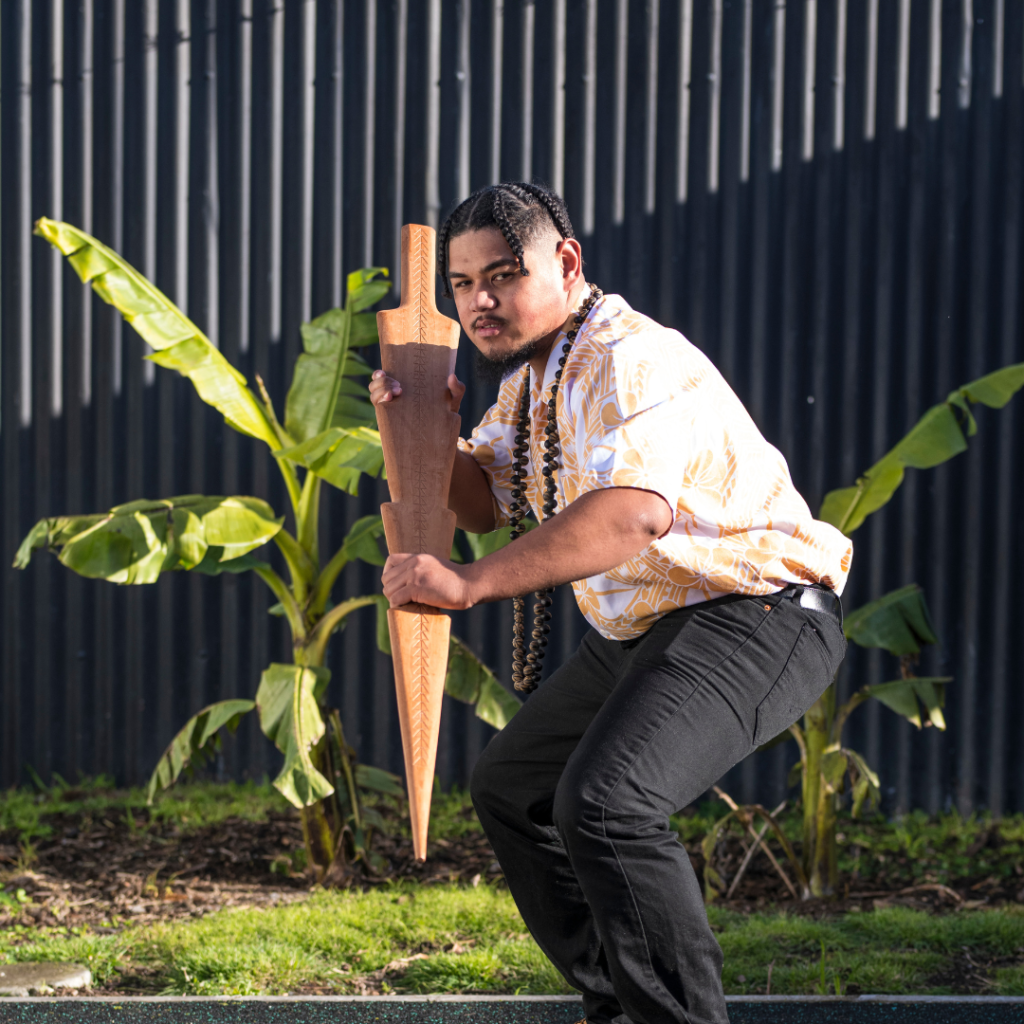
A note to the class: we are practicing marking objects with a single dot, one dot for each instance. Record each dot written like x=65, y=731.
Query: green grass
x=892, y=950
x=26, y=811
x=473, y=940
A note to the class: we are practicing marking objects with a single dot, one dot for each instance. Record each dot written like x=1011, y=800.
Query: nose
x=482, y=301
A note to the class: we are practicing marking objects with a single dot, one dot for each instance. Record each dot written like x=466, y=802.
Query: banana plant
x=328, y=436
x=898, y=622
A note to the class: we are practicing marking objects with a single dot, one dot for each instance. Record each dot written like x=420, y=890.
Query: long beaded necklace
x=526, y=666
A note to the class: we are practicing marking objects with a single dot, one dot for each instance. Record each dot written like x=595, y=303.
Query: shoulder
x=624, y=351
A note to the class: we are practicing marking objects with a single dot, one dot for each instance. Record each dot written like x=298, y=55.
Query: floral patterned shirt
x=639, y=406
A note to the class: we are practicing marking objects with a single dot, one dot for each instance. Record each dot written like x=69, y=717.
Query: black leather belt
x=817, y=598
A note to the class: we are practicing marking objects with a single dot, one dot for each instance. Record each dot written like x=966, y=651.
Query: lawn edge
x=972, y=1000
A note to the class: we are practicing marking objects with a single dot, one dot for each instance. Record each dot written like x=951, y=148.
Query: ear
x=570, y=256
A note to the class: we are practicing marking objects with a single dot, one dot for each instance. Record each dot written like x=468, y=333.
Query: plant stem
x=326, y=580
x=291, y=478
x=284, y=595
x=844, y=712
x=300, y=565
x=346, y=767
x=322, y=631
x=816, y=855
x=339, y=370
x=308, y=517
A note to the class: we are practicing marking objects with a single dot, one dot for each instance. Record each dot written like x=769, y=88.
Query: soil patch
x=105, y=873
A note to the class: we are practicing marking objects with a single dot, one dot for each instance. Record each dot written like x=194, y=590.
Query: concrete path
x=493, y=1010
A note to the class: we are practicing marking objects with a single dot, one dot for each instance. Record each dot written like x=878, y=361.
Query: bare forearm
x=596, y=533
x=469, y=496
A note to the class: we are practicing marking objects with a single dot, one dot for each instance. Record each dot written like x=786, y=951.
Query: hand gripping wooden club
x=418, y=432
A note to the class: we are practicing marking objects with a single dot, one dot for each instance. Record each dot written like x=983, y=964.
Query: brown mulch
x=761, y=888
x=104, y=874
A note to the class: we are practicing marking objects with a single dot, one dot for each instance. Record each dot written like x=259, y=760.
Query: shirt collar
x=551, y=368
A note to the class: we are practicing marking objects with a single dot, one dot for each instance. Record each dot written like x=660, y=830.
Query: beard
x=496, y=371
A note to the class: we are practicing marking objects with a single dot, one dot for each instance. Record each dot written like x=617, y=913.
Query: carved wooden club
x=418, y=433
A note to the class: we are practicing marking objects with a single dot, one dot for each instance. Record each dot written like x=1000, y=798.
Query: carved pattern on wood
x=419, y=720
x=418, y=434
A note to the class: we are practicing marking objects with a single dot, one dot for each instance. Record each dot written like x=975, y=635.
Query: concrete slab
x=28, y=979
x=493, y=1010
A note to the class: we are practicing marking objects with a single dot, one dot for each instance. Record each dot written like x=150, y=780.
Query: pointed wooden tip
x=419, y=642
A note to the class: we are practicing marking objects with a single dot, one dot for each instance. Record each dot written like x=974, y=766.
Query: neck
x=539, y=361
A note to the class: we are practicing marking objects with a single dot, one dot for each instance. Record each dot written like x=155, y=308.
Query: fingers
x=424, y=579
x=456, y=389
x=386, y=389
x=383, y=388
x=396, y=578
x=393, y=566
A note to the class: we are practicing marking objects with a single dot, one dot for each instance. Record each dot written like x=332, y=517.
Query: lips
x=488, y=328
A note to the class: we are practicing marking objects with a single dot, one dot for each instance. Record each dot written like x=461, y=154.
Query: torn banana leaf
x=180, y=345
x=919, y=699
x=195, y=742
x=289, y=716
x=936, y=437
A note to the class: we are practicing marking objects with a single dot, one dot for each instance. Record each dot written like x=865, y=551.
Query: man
x=711, y=590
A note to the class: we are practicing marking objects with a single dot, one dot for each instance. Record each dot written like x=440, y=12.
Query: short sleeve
x=629, y=425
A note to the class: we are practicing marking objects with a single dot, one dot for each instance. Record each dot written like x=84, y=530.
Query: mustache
x=492, y=319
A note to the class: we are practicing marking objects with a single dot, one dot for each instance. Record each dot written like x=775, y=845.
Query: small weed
x=27, y=856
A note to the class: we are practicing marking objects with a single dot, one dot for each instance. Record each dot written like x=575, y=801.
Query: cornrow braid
x=554, y=205
x=508, y=232
x=521, y=211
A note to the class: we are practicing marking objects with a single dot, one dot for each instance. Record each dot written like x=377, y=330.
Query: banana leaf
x=910, y=697
x=936, y=437
x=378, y=780
x=898, y=622
x=135, y=542
x=195, y=742
x=179, y=343
x=339, y=455
x=865, y=782
x=361, y=540
x=323, y=398
x=482, y=544
x=289, y=716
x=472, y=682
x=323, y=393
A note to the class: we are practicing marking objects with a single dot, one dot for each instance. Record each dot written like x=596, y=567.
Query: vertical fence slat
x=779, y=181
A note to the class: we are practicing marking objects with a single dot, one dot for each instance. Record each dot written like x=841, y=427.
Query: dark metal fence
x=825, y=195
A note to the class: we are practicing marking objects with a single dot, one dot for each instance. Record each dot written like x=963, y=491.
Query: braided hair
x=520, y=211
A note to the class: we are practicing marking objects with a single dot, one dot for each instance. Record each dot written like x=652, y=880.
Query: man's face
x=503, y=312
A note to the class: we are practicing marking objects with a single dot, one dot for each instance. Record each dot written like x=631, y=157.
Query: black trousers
x=575, y=793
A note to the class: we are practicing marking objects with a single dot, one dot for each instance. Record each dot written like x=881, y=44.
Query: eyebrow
x=505, y=261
